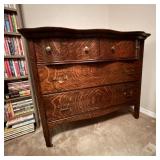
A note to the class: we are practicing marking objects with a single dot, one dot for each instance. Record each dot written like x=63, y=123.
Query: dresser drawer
x=66, y=104
x=67, y=77
x=52, y=51
x=119, y=49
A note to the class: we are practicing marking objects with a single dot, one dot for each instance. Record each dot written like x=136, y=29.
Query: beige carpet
x=115, y=134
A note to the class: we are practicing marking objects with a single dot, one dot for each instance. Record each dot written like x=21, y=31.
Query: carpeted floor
x=116, y=134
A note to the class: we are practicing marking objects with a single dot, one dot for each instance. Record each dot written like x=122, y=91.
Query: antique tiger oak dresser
x=81, y=74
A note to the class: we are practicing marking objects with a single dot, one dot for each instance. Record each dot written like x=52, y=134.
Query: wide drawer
x=69, y=77
x=119, y=49
x=67, y=104
x=58, y=51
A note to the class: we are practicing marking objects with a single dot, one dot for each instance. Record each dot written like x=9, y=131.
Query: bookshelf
x=19, y=106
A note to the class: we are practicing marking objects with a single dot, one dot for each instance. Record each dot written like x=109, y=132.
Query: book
x=10, y=23
x=10, y=133
x=19, y=120
x=24, y=123
x=6, y=22
x=19, y=134
x=9, y=111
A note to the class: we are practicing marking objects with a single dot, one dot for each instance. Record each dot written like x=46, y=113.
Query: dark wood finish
x=119, y=49
x=61, y=78
x=84, y=50
x=10, y=10
x=82, y=74
x=67, y=104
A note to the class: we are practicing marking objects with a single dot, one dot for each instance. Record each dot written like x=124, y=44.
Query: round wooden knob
x=86, y=49
x=113, y=48
x=48, y=49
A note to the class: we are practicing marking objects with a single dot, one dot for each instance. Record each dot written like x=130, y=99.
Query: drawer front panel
x=66, y=50
x=66, y=104
x=119, y=49
x=68, y=77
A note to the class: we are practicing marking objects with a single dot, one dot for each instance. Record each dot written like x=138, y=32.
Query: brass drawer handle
x=86, y=49
x=48, y=49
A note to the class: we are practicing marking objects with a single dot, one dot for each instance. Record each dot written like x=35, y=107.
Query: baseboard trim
x=147, y=112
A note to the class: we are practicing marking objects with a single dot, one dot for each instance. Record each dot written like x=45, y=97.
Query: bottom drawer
x=67, y=104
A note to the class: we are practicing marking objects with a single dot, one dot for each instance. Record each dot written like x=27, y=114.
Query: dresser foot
x=136, y=111
x=48, y=142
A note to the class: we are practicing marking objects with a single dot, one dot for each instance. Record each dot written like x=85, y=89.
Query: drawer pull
x=113, y=48
x=60, y=79
x=86, y=49
x=48, y=49
x=128, y=94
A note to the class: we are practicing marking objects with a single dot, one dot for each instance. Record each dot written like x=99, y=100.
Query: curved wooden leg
x=136, y=111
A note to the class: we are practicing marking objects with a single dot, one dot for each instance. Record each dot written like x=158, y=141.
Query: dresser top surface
x=46, y=32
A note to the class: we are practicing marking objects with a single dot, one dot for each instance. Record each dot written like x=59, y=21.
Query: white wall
x=140, y=17
x=119, y=17
x=73, y=16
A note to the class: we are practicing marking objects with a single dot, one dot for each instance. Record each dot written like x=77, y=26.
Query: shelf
x=11, y=34
x=10, y=10
x=16, y=78
x=12, y=57
x=17, y=98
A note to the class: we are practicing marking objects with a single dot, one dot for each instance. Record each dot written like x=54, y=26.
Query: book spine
x=15, y=71
x=23, y=68
x=13, y=46
x=8, y=68
x=10, y=23
x=21, y=46
x=12, y=68
x=7, y=47
x=19, y=120
x=18, y=46
x=5, y=73
x=14, y=27
x=24, y=123
x=17, y=68
x=20, y=67
x=15, y=22
x=10, y=46
x=6, y=22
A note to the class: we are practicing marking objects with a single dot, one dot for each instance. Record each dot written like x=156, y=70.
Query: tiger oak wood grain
x=82, y=74
x=66, y=104
x=61, y=78
x=119, y=49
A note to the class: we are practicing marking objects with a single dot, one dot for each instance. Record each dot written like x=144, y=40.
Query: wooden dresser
x=81, y=74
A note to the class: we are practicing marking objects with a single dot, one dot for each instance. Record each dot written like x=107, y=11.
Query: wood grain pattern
x=70, y=103
x=73, y=50
x=62, y=50
x=72, y=84
x=119, y=49
x=59, y=32
x=62, y=77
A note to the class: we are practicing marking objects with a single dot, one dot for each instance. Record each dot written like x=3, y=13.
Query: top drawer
x=119, y=49
x=61, y=51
